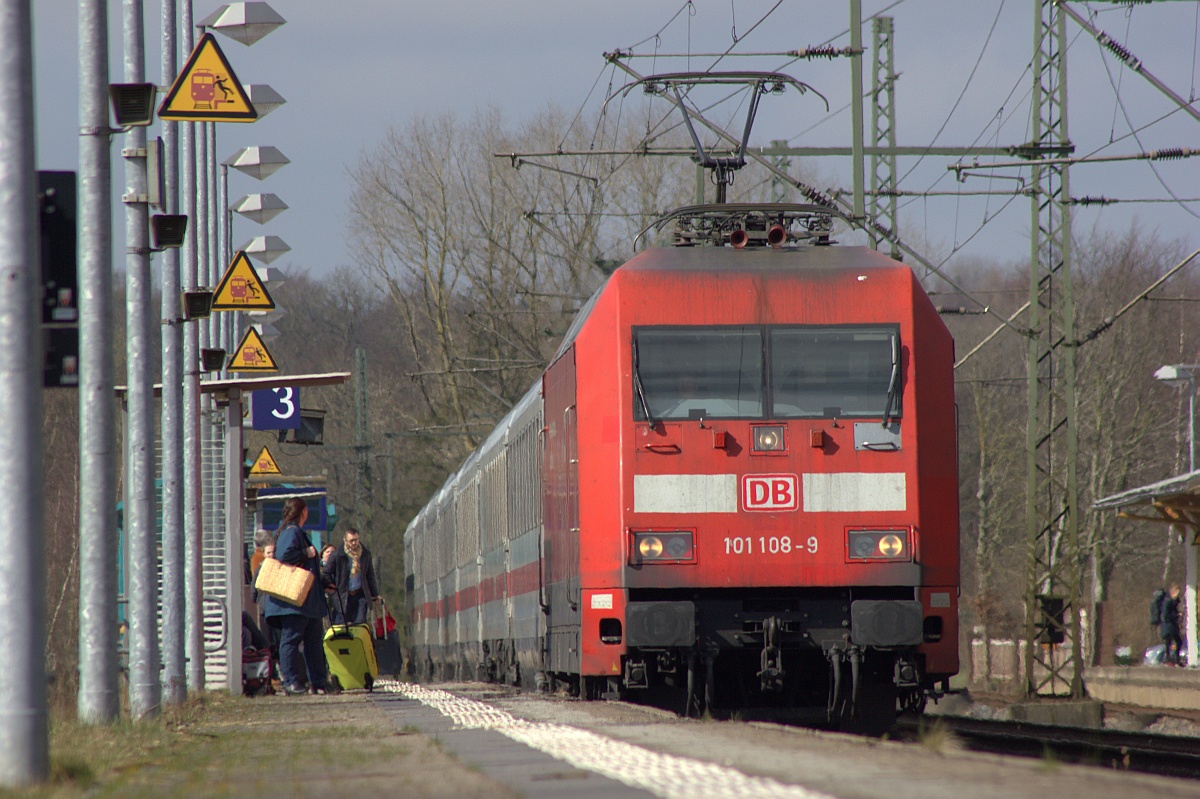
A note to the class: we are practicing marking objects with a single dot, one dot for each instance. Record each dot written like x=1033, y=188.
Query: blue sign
x=275, y=408
x=321, y=514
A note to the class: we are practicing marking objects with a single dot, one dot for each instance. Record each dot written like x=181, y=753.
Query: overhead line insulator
x=1120, y=51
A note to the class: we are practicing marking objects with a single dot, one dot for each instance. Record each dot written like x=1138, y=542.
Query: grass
x=213, y=745
x=937, y=738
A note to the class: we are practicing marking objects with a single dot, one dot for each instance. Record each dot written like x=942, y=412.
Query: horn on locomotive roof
x=760, y=83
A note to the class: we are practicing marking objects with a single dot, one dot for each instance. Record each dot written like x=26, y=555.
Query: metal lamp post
x=1179, y=375
x=246, y=23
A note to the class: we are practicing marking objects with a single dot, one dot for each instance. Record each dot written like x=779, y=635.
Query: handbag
x=290, y=584
x=384, y=622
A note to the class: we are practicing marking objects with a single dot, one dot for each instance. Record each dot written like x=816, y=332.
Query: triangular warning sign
x=252, y=355
x=241, y=289
x=264, y=463
x=207, y=90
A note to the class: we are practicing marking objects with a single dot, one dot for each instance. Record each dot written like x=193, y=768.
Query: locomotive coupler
x=771, y=676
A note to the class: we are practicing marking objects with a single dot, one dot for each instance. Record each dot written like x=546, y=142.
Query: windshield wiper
x=893, y=382
x=639, y=388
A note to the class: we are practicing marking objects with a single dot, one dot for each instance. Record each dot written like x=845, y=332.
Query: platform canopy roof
x=1175, y=500
x=224, y=387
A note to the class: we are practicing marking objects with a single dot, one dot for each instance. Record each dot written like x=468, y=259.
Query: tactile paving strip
x=668, y=776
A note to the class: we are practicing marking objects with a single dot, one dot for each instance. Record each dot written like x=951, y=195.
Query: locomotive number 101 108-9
x=769, y=545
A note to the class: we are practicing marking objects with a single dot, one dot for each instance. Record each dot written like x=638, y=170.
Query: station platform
x=1159, y=687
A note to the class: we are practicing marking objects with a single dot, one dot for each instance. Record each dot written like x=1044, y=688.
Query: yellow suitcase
x=351, y=656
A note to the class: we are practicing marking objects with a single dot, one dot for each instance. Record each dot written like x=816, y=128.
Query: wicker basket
x=290, y=584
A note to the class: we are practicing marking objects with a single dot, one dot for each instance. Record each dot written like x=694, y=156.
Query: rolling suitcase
x=351, y=656
x=387, y=641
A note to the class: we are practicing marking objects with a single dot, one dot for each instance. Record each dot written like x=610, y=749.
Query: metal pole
x=233, y=319
x=24, y=723
x=201, y=221
x=173, y=595
x=1191, y=421
x=856, y=106
x=145, y=695
x=235, y=553
x=215, y=267
x=193, y=574
x=1192, y=573
x=98, y=698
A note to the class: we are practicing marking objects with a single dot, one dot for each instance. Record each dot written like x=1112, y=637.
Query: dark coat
x=291, y=548
x=1169, y=618
x=337, y=573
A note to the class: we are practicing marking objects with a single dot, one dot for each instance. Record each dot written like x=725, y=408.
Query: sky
x=353, y=69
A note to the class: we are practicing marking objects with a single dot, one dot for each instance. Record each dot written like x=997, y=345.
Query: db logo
x=770, y=492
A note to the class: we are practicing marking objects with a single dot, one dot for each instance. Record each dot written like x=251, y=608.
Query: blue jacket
x=291, y=547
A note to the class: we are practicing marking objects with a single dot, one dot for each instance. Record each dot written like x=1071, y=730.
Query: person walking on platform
x=352, y=574
x=300, y=627
x=1168, y=626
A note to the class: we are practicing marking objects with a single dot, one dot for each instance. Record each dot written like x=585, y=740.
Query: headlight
x=888, y=545
x=769, y=438
x=666, y=547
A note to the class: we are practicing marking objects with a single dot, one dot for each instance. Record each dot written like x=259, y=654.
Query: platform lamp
x=1179, y=375
x=244, y=22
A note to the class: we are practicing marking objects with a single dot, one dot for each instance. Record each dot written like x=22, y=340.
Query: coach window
x=698, y=372
x=833, y=372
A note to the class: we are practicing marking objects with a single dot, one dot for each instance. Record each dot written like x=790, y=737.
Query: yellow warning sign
x=264, y=464
x=207, y=90
x=252, y=355
x=241, y=289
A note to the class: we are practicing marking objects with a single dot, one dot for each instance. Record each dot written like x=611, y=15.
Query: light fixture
x=675, y=546
x=1179, y=375
x=244, y=22
x=212, y=360
x=769, y=438
x=167, y=231
x=132, y=103
x=878, y=545
x=265, y=248
x=197, y=304
x=257, y=162
x=263, y=98
x=260, y=208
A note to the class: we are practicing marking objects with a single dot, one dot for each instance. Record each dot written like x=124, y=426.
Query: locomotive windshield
x=832, y=372
x=700, y=372
x=770, y=372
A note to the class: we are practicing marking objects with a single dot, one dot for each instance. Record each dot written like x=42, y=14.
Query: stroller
x=257, y=668
x=258, y=665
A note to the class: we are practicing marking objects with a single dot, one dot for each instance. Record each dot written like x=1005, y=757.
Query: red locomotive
x=737, y=477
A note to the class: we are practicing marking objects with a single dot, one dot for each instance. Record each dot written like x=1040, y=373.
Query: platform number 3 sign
x=275, y=408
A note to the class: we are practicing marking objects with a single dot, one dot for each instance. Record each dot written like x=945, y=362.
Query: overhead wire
x=1134, y=130
x=1195, y=45
x=961, y=94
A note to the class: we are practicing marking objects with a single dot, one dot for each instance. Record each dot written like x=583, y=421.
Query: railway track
x=1150, y=753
